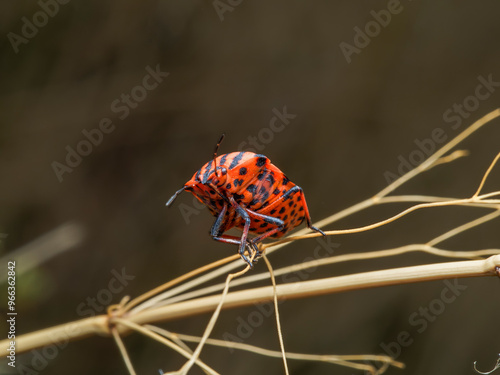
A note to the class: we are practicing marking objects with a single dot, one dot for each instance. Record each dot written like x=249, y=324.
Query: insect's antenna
x=172, y=198
x=215, y=152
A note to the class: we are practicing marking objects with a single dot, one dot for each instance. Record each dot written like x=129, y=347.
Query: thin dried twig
x=277, y=313
x=345, y=360
x=123, y=351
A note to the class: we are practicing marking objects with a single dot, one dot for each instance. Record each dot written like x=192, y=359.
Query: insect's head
x=216, y=178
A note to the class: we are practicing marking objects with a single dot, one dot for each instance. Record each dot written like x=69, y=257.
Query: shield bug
x=245, y=190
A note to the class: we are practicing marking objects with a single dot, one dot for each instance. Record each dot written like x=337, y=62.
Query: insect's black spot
x=263, y=225
x=253, y=202
x=262, y=190
x=236, y=160
x=243, y=171
x=265, y=197
x=251, y=188
x=253, y=229
x=298, y=198
x=197, y=176
x=261, y=175
x=295, y=205
x=265, y=204
x=228, y=186
x=272, y=212
x=256, y=220
x=301, y=208
x=207, y=172
x=292, y=213
x=276, y=191
x=223, y=159
x=290, y=204
x=282, y=210
x=285, y=180
x=261, y=161
x=270, y=178
x=238, y=197
x=212, y=203
x=285, y=217
x=238, y=182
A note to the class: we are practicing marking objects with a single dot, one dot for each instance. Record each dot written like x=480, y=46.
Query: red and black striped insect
x=245, y=190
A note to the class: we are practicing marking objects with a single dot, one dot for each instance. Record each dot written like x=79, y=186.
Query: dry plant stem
x=277, y=313
x=428, y=248
x=337, y=284
x=123, y=351
x=96, y=325
x=473, y=254
x=176, y=281
x=167, y=296
x=464, y=227
x=457, y=202
x=449, y=158
x=428, y=163
x=159, y=338
x=224, y=270
x=187, y=366
x=497, y=366
x=44, y=248
x=176, y=340
x=443, y=150
x=99, y=324
x=485, y=177
x=345, y=360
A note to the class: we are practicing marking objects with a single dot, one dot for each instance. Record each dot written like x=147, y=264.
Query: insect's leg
x=242, y=242
x=280, y=224
x=216, y=228
x=216, y=231
x=298, y=189
x=243, y=213
x=256, y=250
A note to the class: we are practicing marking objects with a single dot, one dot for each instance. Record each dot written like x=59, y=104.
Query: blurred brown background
x=228, y=70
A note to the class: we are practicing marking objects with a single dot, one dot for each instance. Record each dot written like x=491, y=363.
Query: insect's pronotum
x=245, y=190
